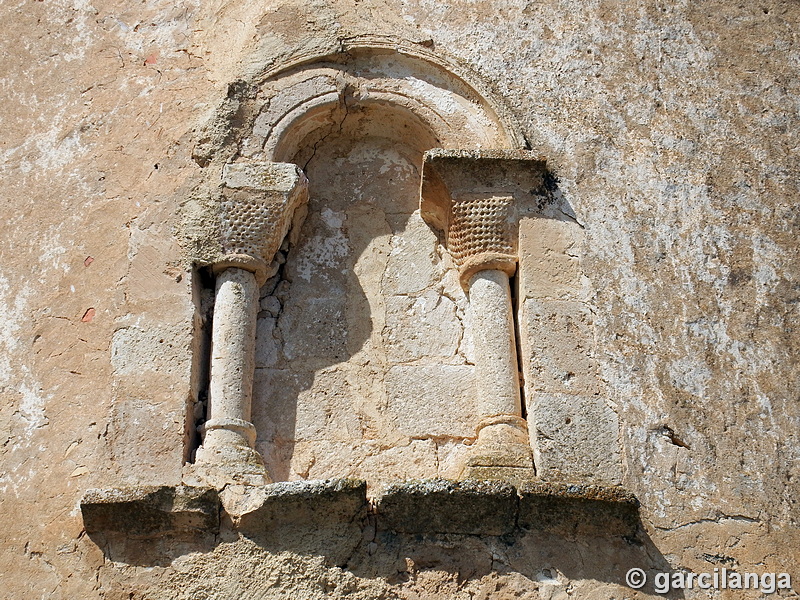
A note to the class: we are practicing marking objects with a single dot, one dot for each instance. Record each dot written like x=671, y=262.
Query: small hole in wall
x=551, y=182
x=567, y=420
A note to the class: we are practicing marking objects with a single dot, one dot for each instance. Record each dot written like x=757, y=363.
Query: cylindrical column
x=502, y=449
x=233, y=341
x=493, y=332
x=228, y=452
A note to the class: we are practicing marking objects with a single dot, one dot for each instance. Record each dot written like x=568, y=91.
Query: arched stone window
x=387, y=341
x=396, y=296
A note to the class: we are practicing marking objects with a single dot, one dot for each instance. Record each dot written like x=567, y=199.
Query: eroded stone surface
x=150, y=512
x=578, y=509
x=439, y=506
x=676, y=167
x=291, y=507
x=575, y=437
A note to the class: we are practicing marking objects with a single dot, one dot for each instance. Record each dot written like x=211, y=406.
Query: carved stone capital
x=255, y=212
x=475, y=198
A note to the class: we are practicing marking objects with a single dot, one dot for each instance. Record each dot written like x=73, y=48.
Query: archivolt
x=407, y=94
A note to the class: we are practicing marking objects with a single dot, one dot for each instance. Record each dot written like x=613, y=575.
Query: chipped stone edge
x=397, y=506
x=150, y=510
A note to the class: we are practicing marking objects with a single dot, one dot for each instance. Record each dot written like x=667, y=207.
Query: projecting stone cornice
x=488, y=508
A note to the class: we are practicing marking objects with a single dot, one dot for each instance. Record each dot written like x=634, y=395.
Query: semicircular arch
x=400, y=89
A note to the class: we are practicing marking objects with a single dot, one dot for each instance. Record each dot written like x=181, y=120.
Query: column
x=255, y=211
x=473, y=198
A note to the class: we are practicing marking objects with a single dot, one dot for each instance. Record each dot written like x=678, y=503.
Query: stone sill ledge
x=437, y=506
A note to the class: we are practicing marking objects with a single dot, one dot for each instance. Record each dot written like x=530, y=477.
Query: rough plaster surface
x=671, y=130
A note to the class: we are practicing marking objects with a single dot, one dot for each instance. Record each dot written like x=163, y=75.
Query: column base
x=225, y=465
x=513, y=475
x=502, y=452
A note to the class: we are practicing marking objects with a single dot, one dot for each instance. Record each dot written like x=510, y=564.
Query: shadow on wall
x=416, y=537
x=364, y=188
x=342, y=318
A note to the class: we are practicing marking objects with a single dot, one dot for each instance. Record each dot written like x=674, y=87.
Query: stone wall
x=655, y=299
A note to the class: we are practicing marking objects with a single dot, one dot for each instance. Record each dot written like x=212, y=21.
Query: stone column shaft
x=233, y=341
x=228, y=452
x=503, y=448
x=493, y=332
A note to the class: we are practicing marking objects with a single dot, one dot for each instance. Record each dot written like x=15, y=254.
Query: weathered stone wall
x=656, y=314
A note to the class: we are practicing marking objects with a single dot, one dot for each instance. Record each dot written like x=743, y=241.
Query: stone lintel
x=151, y=511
